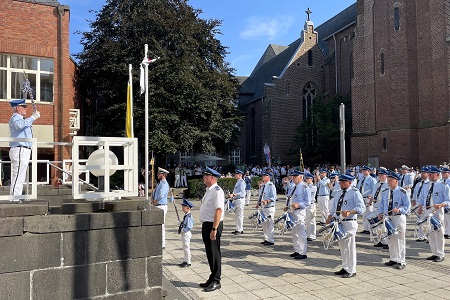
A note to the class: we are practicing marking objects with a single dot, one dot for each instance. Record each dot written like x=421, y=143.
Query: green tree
x=192, y=89
x=318, y=135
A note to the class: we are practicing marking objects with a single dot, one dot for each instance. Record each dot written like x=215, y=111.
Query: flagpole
x=147, y=200
x=130, y=78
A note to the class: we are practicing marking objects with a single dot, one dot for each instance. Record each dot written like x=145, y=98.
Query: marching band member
x=186, y=234
x=437, y=195
x=415, y=196
x=395, y=203
x=445, y=171
x=334, y=185
x=211, y=216
x=239, y=201
x=300, y=198
x=159, y=198
x=267, y=199
x=366, y=187
x=20, y=152
x=406, y=180
x=348, y=203
x=376, y=199
x=248, y=188
x=323, y=194
x=311, y=210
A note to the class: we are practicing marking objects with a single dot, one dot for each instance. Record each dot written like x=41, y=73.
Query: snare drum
x=389, y=225
x=373, y=219
x=446, y=210
x=339, y=232
x=428, y=222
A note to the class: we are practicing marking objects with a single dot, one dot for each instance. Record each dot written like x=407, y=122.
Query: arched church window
x=396, y=19
x=309, y=94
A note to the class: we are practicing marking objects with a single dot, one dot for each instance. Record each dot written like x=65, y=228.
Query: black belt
x=399, y=214
x=159, y=204
x=20, y=146
x=322, y=195
x=349, y=220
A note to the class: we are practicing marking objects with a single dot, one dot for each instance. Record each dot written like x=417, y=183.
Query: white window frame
x=235, y=157
x=38, y=72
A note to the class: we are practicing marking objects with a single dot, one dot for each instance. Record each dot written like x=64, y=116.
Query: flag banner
x=267, y=154
x=129, y=119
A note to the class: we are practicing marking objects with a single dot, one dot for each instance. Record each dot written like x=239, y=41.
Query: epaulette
x=306, y=186
x=354, y=189
x=217, y=187
x=384, y=190
x=403, y=190
x=270, y=183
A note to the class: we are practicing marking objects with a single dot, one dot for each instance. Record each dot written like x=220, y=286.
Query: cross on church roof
x=308, y=12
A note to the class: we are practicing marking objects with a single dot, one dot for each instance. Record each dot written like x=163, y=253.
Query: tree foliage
x=318, y=135
x=191, y=87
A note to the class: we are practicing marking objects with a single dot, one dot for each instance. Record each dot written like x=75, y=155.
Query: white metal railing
x=74, y=120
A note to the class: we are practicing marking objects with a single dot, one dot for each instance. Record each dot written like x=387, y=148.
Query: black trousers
x=213, y=250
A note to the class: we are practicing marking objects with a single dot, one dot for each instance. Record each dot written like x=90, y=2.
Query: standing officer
x=445, y=171
x=238, y=197
x=300, y=198
x=347, y=204
x=20, y=152
x=421, y=236
x=406, y=180
x=159, y=198
x=376, y=199
x=267, y=199
x=438, y=196
x=323, y=194
x=211, y=216
x=366, y=187
x=395, y=203
x=311, y=210
x=248, y=188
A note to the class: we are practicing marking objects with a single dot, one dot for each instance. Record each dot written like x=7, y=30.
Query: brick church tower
x=400, y=89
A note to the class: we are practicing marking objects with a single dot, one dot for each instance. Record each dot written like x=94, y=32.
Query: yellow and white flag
x=129, y=118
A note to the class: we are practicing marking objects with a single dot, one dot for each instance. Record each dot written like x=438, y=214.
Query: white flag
x=145, y=61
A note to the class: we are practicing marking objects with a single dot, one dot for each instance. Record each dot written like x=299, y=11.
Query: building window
x=310, y=58
x=235, y=157
x=384, y=144
x=186, y=157
x=382, y=63
x=396, y=19
x=39, y=72
x=309, y=94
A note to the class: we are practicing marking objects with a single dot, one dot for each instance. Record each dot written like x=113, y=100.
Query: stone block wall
x=85, y=256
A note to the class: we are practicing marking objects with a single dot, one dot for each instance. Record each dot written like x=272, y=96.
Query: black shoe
x=446, y=236
x=294, y=254
x=432, y=257
x=365, y=232
x=184, y=265
x=206, y=284
x=340, y=272
x=380, y=244
x=237, y=232
x=349, y=275
x=264, y=242
x=427, y=241
x=212, y=287
x=399, y=266
x=301, y=256
x=421, y=240
x=386, y=246
x=390, y=263
x=310, y=239
x=269, y=244
x=439, y=259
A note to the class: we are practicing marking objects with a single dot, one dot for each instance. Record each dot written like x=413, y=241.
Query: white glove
x=36, y=115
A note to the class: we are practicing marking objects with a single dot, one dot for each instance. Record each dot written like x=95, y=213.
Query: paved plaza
x=253, y=271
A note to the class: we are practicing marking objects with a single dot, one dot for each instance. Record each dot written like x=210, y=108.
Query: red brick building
x=278, y=94
x=35, y=39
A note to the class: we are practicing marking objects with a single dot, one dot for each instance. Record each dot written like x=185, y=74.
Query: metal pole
x=342, y=135
x=147, y=200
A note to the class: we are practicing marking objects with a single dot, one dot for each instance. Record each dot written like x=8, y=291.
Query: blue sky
x=248, y=26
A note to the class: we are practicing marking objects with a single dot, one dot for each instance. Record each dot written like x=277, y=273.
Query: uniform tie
x=430, y=192
x=401, y=182
x=290, y=196
x=262, y=193
x=361, y=186
x=339, y=205
x=391, y=203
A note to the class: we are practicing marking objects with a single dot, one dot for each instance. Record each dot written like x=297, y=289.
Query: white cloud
x=269, y=28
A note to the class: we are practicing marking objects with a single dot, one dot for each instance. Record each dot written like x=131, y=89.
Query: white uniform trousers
x=436, y=238
x=164, y=208
x=322, y=202
x=348, y=246
x=267, y=226
x=299, y=231
x=369, y=209
x=183, y=181
x=177, y=181
x=20, y=157
x=311, y=221
x=446, y=224
x=239, y=213
x=186, y=240
x=397, y=242
x=248, y=194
